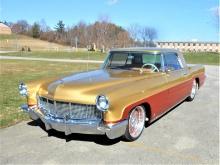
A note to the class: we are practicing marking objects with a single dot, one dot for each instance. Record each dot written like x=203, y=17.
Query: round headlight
x=23, y=89
x=102, y=103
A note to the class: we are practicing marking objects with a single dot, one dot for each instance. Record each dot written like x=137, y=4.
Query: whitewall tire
x=136, y=123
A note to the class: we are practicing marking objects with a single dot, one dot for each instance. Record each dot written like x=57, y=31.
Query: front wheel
x=193, y=91
x=136, y=122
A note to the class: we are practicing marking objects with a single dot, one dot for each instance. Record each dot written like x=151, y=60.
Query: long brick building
x=191, y=46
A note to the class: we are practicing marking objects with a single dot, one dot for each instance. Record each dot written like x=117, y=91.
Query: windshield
x=133, y=61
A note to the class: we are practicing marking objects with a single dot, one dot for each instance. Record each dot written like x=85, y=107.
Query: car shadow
x=98, y=139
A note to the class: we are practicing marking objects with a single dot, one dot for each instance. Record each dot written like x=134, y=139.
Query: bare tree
x=102, y=28
x=148, y=34
x=81, y=33
x=21, y=27
x=144, y=35
x=152, y=33
x=103, y=33
x=134, y=31
x=123, y=39
x=43, y=26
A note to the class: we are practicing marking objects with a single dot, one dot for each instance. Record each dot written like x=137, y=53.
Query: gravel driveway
x=187, y=134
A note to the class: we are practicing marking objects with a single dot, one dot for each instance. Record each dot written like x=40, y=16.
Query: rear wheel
x=193, y=91
x=136, y=122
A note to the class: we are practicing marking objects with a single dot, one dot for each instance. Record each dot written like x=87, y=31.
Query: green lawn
x=7, y=37
x=192, y=58
x=202, y=58
x=60, y=55
x=12, y=72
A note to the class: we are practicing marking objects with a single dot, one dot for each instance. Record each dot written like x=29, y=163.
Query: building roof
x=142, y=49
x=4, y=29
x=3, y=25
x=210, y=42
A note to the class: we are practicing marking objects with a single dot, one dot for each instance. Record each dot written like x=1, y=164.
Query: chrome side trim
x=169, y=109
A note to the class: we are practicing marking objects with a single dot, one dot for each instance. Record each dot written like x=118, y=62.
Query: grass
x=192, y=58
x=12, y=72
x=202, y=58
x=7, y=36
x=17, y=41
x=60, y=55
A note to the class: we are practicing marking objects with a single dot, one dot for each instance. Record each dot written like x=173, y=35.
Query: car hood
x=84, y=87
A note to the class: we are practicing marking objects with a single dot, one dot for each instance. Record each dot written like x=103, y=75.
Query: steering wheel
x=153, y=67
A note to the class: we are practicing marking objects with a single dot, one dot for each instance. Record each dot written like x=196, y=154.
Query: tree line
x=102, y=33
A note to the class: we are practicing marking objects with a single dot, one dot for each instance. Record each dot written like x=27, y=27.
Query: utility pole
x=76, y=41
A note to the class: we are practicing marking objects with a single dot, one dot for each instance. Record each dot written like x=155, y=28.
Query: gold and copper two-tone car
x=134, y=87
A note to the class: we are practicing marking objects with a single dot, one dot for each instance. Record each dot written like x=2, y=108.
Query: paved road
x=187, y=134
x=49, y=59
x=7, y=51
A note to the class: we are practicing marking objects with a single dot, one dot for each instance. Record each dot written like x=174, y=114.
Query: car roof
x=143, y=49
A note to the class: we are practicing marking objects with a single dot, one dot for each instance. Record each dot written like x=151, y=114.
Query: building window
x=194, y=44
x=188, y=44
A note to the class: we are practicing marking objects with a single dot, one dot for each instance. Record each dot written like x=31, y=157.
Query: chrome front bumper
x=77, y=126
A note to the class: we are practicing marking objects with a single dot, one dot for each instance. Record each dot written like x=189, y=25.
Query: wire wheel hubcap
x=136, y=121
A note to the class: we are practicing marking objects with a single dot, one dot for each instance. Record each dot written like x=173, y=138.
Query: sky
x=175, y=20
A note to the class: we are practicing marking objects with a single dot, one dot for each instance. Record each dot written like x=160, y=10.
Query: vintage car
x=134, y=87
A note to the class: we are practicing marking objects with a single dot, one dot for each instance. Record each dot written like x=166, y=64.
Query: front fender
x=33, y=88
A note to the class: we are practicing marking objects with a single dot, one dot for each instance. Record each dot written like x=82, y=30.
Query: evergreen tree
x=35, y=30
x=60, y=27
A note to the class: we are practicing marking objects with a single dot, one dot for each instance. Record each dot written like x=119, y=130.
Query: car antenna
x=87, y=64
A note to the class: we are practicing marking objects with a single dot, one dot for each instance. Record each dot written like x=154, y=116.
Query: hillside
x=17, y=42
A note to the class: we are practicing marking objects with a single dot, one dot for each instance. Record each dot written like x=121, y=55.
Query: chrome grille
x=61, y=110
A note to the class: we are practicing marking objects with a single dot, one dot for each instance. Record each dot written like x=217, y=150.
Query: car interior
x=135, y=61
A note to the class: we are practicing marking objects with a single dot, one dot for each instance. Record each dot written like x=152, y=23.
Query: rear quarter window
x=172, y=61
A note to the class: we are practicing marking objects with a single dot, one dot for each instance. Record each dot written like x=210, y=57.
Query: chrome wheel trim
x=194, y=89
x=136, y=121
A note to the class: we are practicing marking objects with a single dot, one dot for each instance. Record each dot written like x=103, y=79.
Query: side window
x=118, y=59
x=172, y=61
x=152, y=59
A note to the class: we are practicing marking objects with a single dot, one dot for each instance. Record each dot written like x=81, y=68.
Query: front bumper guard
x=78, y=126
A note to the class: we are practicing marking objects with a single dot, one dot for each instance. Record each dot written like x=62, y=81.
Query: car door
x=177, y=81
x=158, y=101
